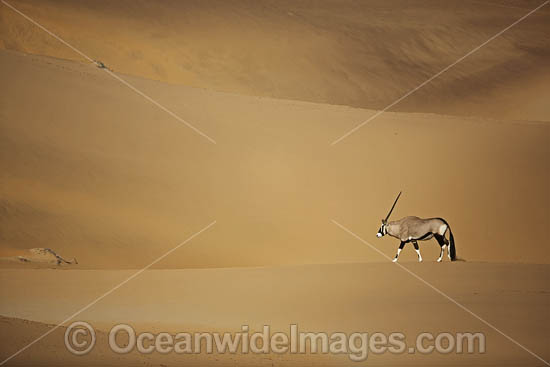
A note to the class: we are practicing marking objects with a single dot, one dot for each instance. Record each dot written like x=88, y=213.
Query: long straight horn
x=393, y=206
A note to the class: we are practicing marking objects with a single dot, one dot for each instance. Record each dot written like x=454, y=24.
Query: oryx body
x=414, y=229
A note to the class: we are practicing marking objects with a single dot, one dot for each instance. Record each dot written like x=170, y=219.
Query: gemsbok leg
x=441, y=240
x=447, y=244
x=399, y=250
x=415, y=244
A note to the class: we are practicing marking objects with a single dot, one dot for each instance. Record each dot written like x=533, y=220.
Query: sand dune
x=363, y=54
x=344, y=297
x=92, y=170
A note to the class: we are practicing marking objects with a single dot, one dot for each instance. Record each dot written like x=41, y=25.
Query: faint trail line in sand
x=111, y=73
x=106, y=294
x=378, y=113
x=443, y=294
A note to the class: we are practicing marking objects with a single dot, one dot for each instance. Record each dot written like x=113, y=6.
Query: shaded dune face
x=94, y=172
x=91, y=170
x=363, y=54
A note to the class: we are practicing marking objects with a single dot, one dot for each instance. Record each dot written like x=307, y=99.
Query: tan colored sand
x=93, y=171
x=97, y=173
x=363, y=54
x=346, y=297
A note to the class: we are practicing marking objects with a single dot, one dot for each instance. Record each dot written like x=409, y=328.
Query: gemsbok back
x=413, y=229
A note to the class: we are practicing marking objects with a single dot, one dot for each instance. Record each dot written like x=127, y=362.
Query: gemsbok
x=413, y=229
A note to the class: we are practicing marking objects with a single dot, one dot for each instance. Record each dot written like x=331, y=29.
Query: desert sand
x=332, y=297
x=362, y=54
x=95, y=172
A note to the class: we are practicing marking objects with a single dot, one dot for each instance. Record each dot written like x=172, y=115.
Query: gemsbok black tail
x=452, y=248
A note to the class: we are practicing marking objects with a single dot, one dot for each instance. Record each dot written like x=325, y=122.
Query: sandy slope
x=356, y=53
x=94, y=172
x=344, y=297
